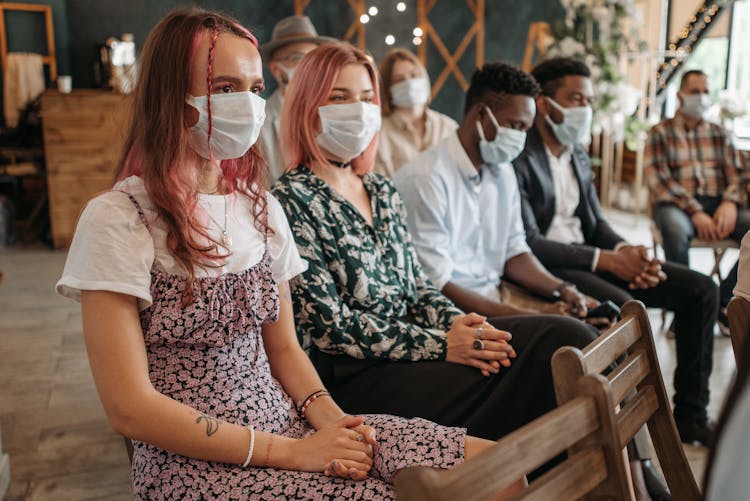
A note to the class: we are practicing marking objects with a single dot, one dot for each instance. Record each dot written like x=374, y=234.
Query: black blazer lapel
x=539, y=164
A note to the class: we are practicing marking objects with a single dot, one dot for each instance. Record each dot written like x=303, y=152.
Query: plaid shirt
x=682, y=163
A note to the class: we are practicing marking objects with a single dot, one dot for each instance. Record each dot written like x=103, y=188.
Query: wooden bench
x=635, y=385
x=586, y=423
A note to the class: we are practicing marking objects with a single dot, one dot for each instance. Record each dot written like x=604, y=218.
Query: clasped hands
x=488, y=355
x=343, y=448
x=632, y=264
x=720, y=226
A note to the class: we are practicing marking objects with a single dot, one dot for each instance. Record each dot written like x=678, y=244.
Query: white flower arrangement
x=731, y=105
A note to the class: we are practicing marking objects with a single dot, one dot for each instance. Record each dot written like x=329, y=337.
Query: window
x=738, y=80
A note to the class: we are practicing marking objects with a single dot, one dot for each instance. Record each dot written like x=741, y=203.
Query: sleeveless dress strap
x=266, y=227
x=141, y=214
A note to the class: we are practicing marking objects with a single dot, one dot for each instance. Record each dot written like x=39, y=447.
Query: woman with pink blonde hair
x=382, y=337
x=182, y=271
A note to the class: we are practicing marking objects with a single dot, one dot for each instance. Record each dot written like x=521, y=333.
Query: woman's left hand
x=339, y=468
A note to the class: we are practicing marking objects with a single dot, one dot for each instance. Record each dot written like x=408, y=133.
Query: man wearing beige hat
x=292, y=38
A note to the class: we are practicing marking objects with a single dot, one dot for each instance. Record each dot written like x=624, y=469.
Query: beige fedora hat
x=292, y=29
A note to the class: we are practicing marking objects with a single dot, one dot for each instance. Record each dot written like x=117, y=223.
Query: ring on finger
x=360, y=437
x=478, y=344
x=479, y=332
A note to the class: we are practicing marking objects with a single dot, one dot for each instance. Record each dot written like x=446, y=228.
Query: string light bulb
x=417, y=32
x=364, y=19
x=390, y=39
x=373, y=11
x=401, y=6
x=416, y=40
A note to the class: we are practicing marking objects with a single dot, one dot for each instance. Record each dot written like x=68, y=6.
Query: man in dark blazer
x=566, y=230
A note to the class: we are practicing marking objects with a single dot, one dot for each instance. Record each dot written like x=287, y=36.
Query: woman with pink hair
x=182, y=271
x=381, y=336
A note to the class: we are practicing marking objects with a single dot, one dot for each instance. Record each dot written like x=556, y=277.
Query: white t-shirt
x=113, y=250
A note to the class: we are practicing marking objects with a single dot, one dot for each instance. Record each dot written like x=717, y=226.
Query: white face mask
x=576, y=124
x=506, y=146
x=696, y=105
x=412, y=92
x=348, y=129
x=236, y=121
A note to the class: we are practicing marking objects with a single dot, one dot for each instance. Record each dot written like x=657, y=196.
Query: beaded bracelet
x=309, y=400
x=252, y=446
x=302, y=402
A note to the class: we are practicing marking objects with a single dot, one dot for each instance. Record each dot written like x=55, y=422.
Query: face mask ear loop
x=557, y=107
x=211, y=53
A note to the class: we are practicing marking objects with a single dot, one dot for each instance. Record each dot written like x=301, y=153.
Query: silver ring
x=479, y=332
x=478, y=344
x=360, y=438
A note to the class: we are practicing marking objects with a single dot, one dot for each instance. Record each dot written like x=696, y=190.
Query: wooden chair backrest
x=635, y=385
x=585, y=423
x=738, y=312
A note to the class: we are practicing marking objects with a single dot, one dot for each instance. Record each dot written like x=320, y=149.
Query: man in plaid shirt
x=693, y=172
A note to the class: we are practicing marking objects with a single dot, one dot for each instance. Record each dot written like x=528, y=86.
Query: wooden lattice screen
x=476, y=32
x=429, y=34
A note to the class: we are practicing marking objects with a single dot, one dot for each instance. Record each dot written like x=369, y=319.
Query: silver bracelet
x=252, y=446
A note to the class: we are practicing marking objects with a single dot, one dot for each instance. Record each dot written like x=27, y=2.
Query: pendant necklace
x=226, y=239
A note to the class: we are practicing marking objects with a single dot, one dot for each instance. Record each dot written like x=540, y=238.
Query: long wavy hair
x=157, y=145
x=309, y=89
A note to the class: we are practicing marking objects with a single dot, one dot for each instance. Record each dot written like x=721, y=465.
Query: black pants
x=457, y=395
x=694, y=299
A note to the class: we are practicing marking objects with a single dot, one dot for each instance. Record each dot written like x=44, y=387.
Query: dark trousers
x=677, y=231
x=457, y=395
x=694, y=299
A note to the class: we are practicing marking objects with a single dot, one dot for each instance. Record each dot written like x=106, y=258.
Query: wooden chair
x=738, y=312
x=635, y=385
x=586, y=423
x=718, y=247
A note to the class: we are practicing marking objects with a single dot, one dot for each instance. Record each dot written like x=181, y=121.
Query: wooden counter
x=83, y=136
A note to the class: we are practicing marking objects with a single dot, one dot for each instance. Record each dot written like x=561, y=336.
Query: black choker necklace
x=341, y=165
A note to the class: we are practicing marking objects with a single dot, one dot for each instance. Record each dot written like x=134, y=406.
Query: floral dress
x=209, y=355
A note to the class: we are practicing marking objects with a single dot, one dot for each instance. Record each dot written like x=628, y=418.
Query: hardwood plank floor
x=53, y=426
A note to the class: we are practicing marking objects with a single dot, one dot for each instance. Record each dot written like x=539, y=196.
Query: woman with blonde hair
x=409, y=125
x=182, y=271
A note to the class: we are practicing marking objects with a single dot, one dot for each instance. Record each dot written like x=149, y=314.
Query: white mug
x=64, y=84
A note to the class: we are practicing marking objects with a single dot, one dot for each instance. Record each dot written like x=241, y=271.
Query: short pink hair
x=310, y=89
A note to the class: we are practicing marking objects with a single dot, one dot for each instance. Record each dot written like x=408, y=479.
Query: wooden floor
x=52, y=423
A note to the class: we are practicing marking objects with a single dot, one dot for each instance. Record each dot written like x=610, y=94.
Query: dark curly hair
x=499, y=78
x=549, y=73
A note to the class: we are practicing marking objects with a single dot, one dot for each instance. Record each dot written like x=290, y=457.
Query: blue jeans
x=677, y=231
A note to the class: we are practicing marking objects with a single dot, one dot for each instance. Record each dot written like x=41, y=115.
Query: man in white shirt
x=463, y=205
x=292, y=38
x=567, y=231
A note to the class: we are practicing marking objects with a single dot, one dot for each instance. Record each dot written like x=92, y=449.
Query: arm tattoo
x=212, y=424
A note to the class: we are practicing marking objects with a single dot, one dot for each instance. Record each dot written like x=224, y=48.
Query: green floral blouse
x=364, y=293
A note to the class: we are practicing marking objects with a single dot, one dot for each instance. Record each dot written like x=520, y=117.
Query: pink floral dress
x=210, y=355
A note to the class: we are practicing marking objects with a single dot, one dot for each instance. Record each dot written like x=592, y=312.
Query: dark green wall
x=83, y=24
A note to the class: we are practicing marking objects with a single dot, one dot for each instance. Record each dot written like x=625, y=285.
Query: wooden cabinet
x=83, y=136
